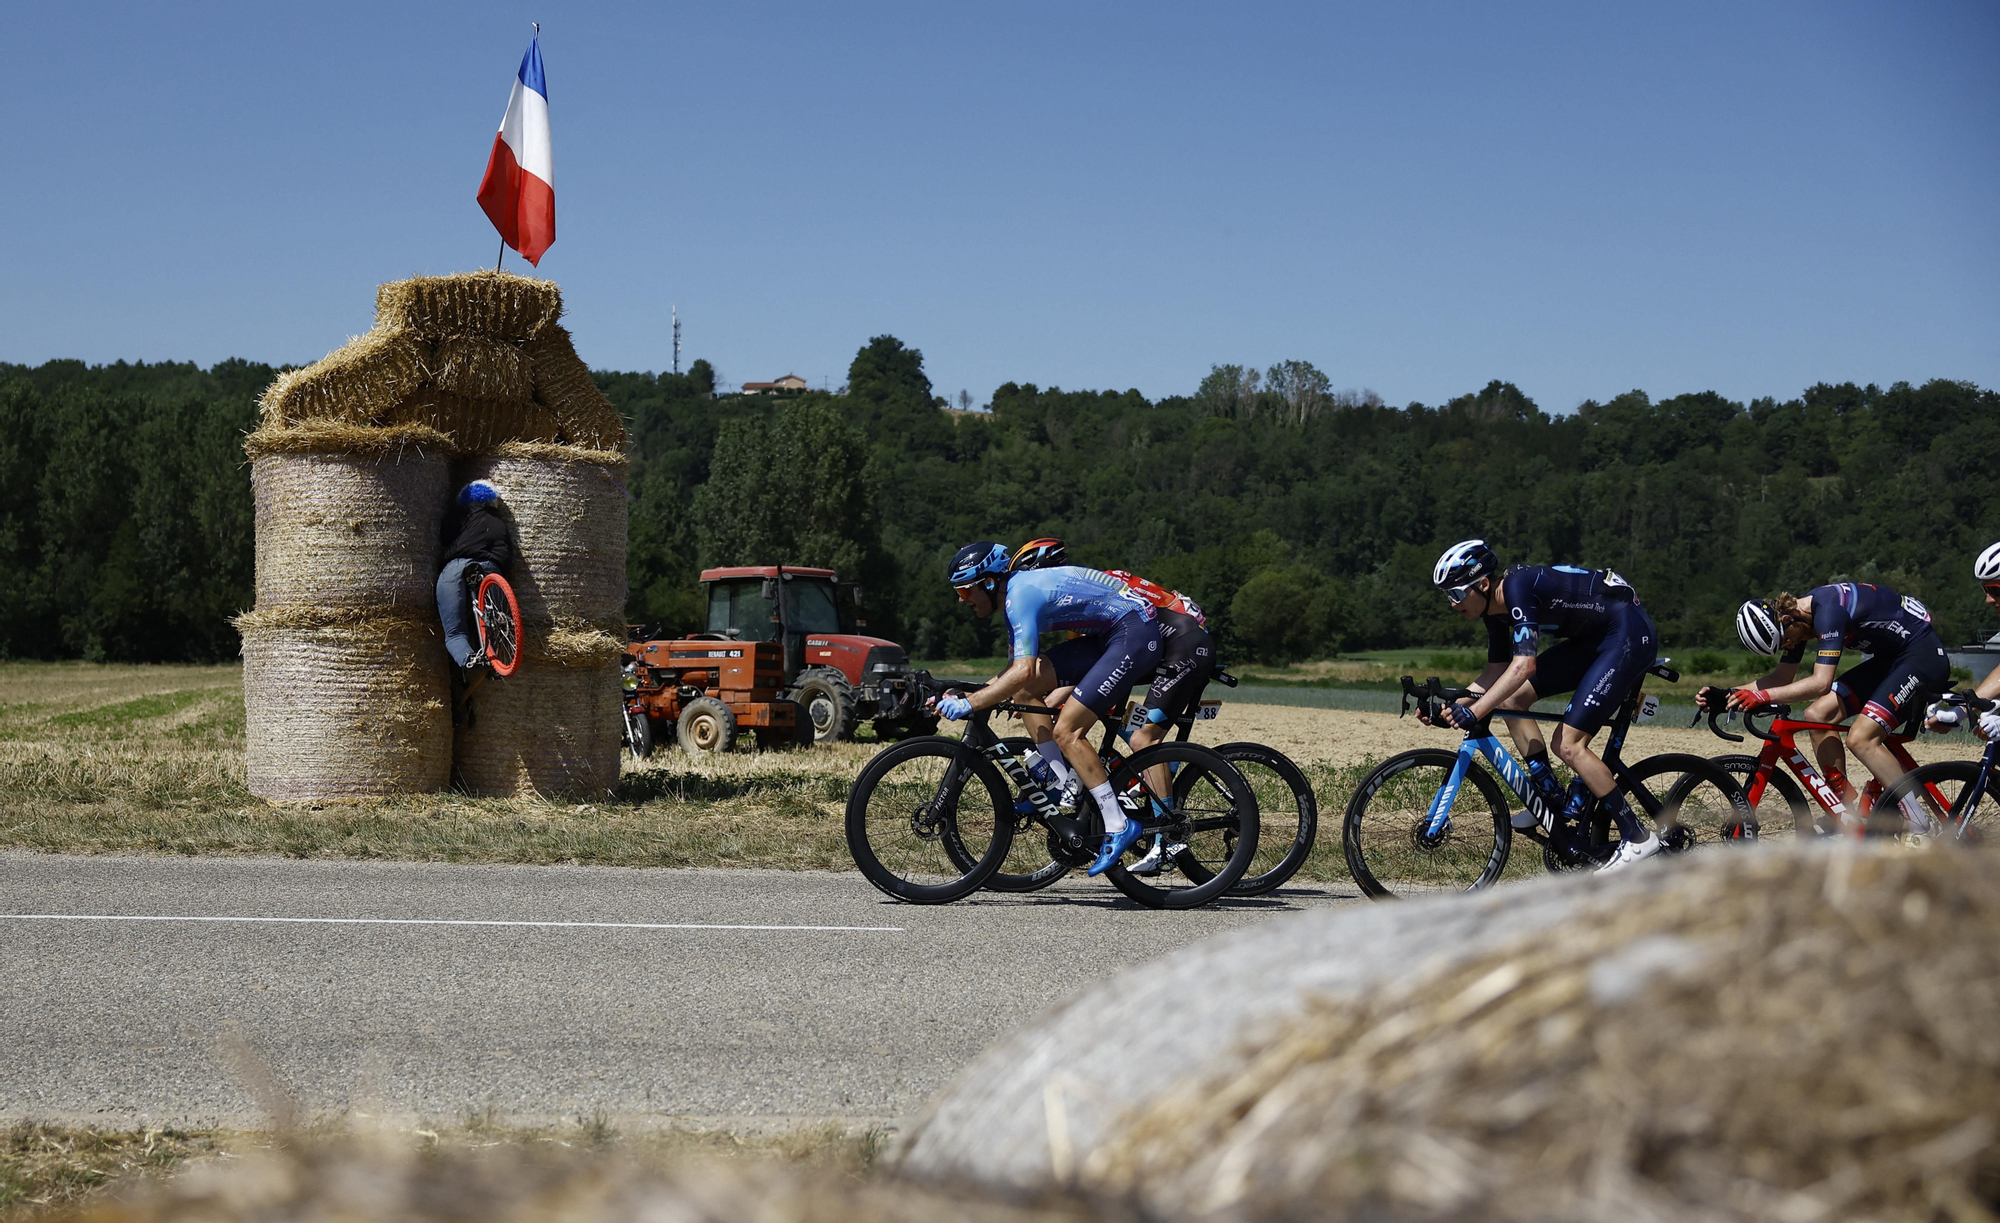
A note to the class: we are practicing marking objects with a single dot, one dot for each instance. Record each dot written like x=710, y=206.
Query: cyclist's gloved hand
x=1748, y=698
x=1942, y=716
x=1989, y=725
x=1460, y=716
x=954, y=707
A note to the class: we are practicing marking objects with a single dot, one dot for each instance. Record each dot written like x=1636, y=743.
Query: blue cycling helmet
x=981, y=559
x=479, y=492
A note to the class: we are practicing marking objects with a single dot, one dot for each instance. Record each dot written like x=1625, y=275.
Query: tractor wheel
x=828, y=701
x=706, y=725
x=778, y=738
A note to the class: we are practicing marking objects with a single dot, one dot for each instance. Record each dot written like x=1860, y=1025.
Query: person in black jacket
x=476, y=537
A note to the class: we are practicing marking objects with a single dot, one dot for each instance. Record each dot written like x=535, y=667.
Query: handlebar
x=1431, y=696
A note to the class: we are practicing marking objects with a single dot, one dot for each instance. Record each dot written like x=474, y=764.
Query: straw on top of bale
x=356, y=383
x=492, y=305
x=563, y=384
x=479, y=368
x=478, y=426
x=413, y=438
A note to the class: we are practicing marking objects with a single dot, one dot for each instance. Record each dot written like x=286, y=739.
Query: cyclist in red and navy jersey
x=1907, y=664
x=1607, y=642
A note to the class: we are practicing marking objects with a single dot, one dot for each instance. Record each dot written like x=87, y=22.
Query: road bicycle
x=1958, y=794
x=496, y=615
x=931, y=819
x=1415, y=822
x=1840, y=807
x=1287, y=810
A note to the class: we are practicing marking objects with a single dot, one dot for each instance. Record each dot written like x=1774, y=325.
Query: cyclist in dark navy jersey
x=1907, y=664
x=1118, y=641
x=1607, y=642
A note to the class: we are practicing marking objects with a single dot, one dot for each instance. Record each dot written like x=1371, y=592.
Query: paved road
x=412, y=1013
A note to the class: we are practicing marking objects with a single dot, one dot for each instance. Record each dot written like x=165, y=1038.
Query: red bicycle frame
x=1833, y=790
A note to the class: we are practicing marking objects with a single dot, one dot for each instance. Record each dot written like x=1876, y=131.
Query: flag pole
x=501, y=255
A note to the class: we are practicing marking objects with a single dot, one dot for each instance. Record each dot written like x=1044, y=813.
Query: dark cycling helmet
x=479, y=492
x=1044, y=553
x=1464, y=563
x=982, y=559
x=1757, y=623
x=1987, y=567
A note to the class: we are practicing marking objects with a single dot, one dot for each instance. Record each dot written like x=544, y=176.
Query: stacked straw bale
x=553, y=726
x=352, y=478
x=1767, y=1034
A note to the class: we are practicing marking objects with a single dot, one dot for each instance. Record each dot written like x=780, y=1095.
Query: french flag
x=519, y=190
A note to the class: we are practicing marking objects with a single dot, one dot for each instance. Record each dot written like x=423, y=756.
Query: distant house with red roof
x=790, y=382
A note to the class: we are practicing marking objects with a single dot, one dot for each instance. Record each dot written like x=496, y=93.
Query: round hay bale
x=349, y=530
x=569, y=522
x=345, y=703
x=546, y=729
x=494, y=305
x=1783, y=1034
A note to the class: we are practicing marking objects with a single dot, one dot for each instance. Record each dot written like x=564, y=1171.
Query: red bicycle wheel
x=499, y=625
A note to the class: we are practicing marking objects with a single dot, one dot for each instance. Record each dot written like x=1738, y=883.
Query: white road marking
x=434, y=921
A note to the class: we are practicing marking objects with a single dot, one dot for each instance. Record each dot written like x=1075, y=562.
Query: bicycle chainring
x=1078, y=855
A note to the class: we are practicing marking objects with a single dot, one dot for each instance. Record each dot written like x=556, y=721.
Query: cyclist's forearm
x=1006, y=684
x=1811, y=688
x=1518, y=672
x=1781, y=675
x=1989, y=688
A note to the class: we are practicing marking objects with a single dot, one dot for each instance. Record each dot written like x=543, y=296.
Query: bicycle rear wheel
x=1945, y=790
x=1209, y=835
x=1287, y=816
x=920, y=809
x=1384, y=836
x=499, y=625
x=1691, y=799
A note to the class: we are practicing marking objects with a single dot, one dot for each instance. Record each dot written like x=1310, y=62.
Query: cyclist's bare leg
x=1827, y=744
x=1573, y=748
x=1037, y=691
x=1073, y=727
x=1158, y=779
x=1871, y=744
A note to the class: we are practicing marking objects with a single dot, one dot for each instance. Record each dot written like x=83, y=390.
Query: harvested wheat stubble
x=335, y=1181
x=357, y=383
x=563, y=384
x=547, y=729
x=479, y=368
x=1772, y=1034
x=402, y=440
x=348, y=530
x=492, y=305
x=477, y=426
x=345, y=702
x=569, y=522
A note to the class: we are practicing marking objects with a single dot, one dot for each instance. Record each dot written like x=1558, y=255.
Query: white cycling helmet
x=1987, y=567
x=1758, y=625
x=1464, y=563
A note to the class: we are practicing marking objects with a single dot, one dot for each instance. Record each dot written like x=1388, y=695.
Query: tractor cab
x=836, y=675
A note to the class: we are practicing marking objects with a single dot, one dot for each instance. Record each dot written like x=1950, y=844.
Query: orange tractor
x=776, y=659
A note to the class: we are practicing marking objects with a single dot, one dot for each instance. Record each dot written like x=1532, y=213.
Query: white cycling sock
x=1107, y=802
x=1052, y=752
x=1913, y=812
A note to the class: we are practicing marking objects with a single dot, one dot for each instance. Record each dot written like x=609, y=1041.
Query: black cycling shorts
x=1884, y=688
x=1104, y=668
x=1601, y=670
x=1187, y=659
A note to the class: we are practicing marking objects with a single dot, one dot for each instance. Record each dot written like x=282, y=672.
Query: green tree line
x=1305, y=520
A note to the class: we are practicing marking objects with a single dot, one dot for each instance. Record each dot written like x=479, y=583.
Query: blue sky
x=1417, y=198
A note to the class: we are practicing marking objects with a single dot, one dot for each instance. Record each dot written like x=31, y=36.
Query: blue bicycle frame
x=1510, y=770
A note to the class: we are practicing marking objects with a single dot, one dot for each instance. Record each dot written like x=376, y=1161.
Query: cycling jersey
x=1103, y=668
x=1067, y=597
x=1560, y=600
x=1874, y=618
x=1187, y=659
x=1160, y=596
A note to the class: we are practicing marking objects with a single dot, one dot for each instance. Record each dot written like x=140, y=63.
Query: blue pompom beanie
x=479, y=492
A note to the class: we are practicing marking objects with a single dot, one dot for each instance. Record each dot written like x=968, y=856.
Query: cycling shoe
x=1150, y=864
x=1115, y=846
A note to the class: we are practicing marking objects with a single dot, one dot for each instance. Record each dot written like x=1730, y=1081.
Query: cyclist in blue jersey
x=1607, y=643
x=1907, y=664
x=1118, y=640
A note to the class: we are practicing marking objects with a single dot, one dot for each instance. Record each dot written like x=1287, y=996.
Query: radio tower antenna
x=677, y=339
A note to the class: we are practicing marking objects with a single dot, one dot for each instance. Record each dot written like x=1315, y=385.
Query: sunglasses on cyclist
x=1457, y=594
x=1993, y=589
x=965, y=592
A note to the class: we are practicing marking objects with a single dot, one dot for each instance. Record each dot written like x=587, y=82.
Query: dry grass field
x=97, y=758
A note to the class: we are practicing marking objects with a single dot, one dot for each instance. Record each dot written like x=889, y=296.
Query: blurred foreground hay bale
x=1775, y=1034
x=348, y=530
x=337, y=1181
x=345, y=702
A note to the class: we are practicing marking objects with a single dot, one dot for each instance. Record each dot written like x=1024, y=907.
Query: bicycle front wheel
x=1387, y=837
x=1946, y=791
x=499, y=625
x=1209, y=833
x=1780, y=811
x=920, y=809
